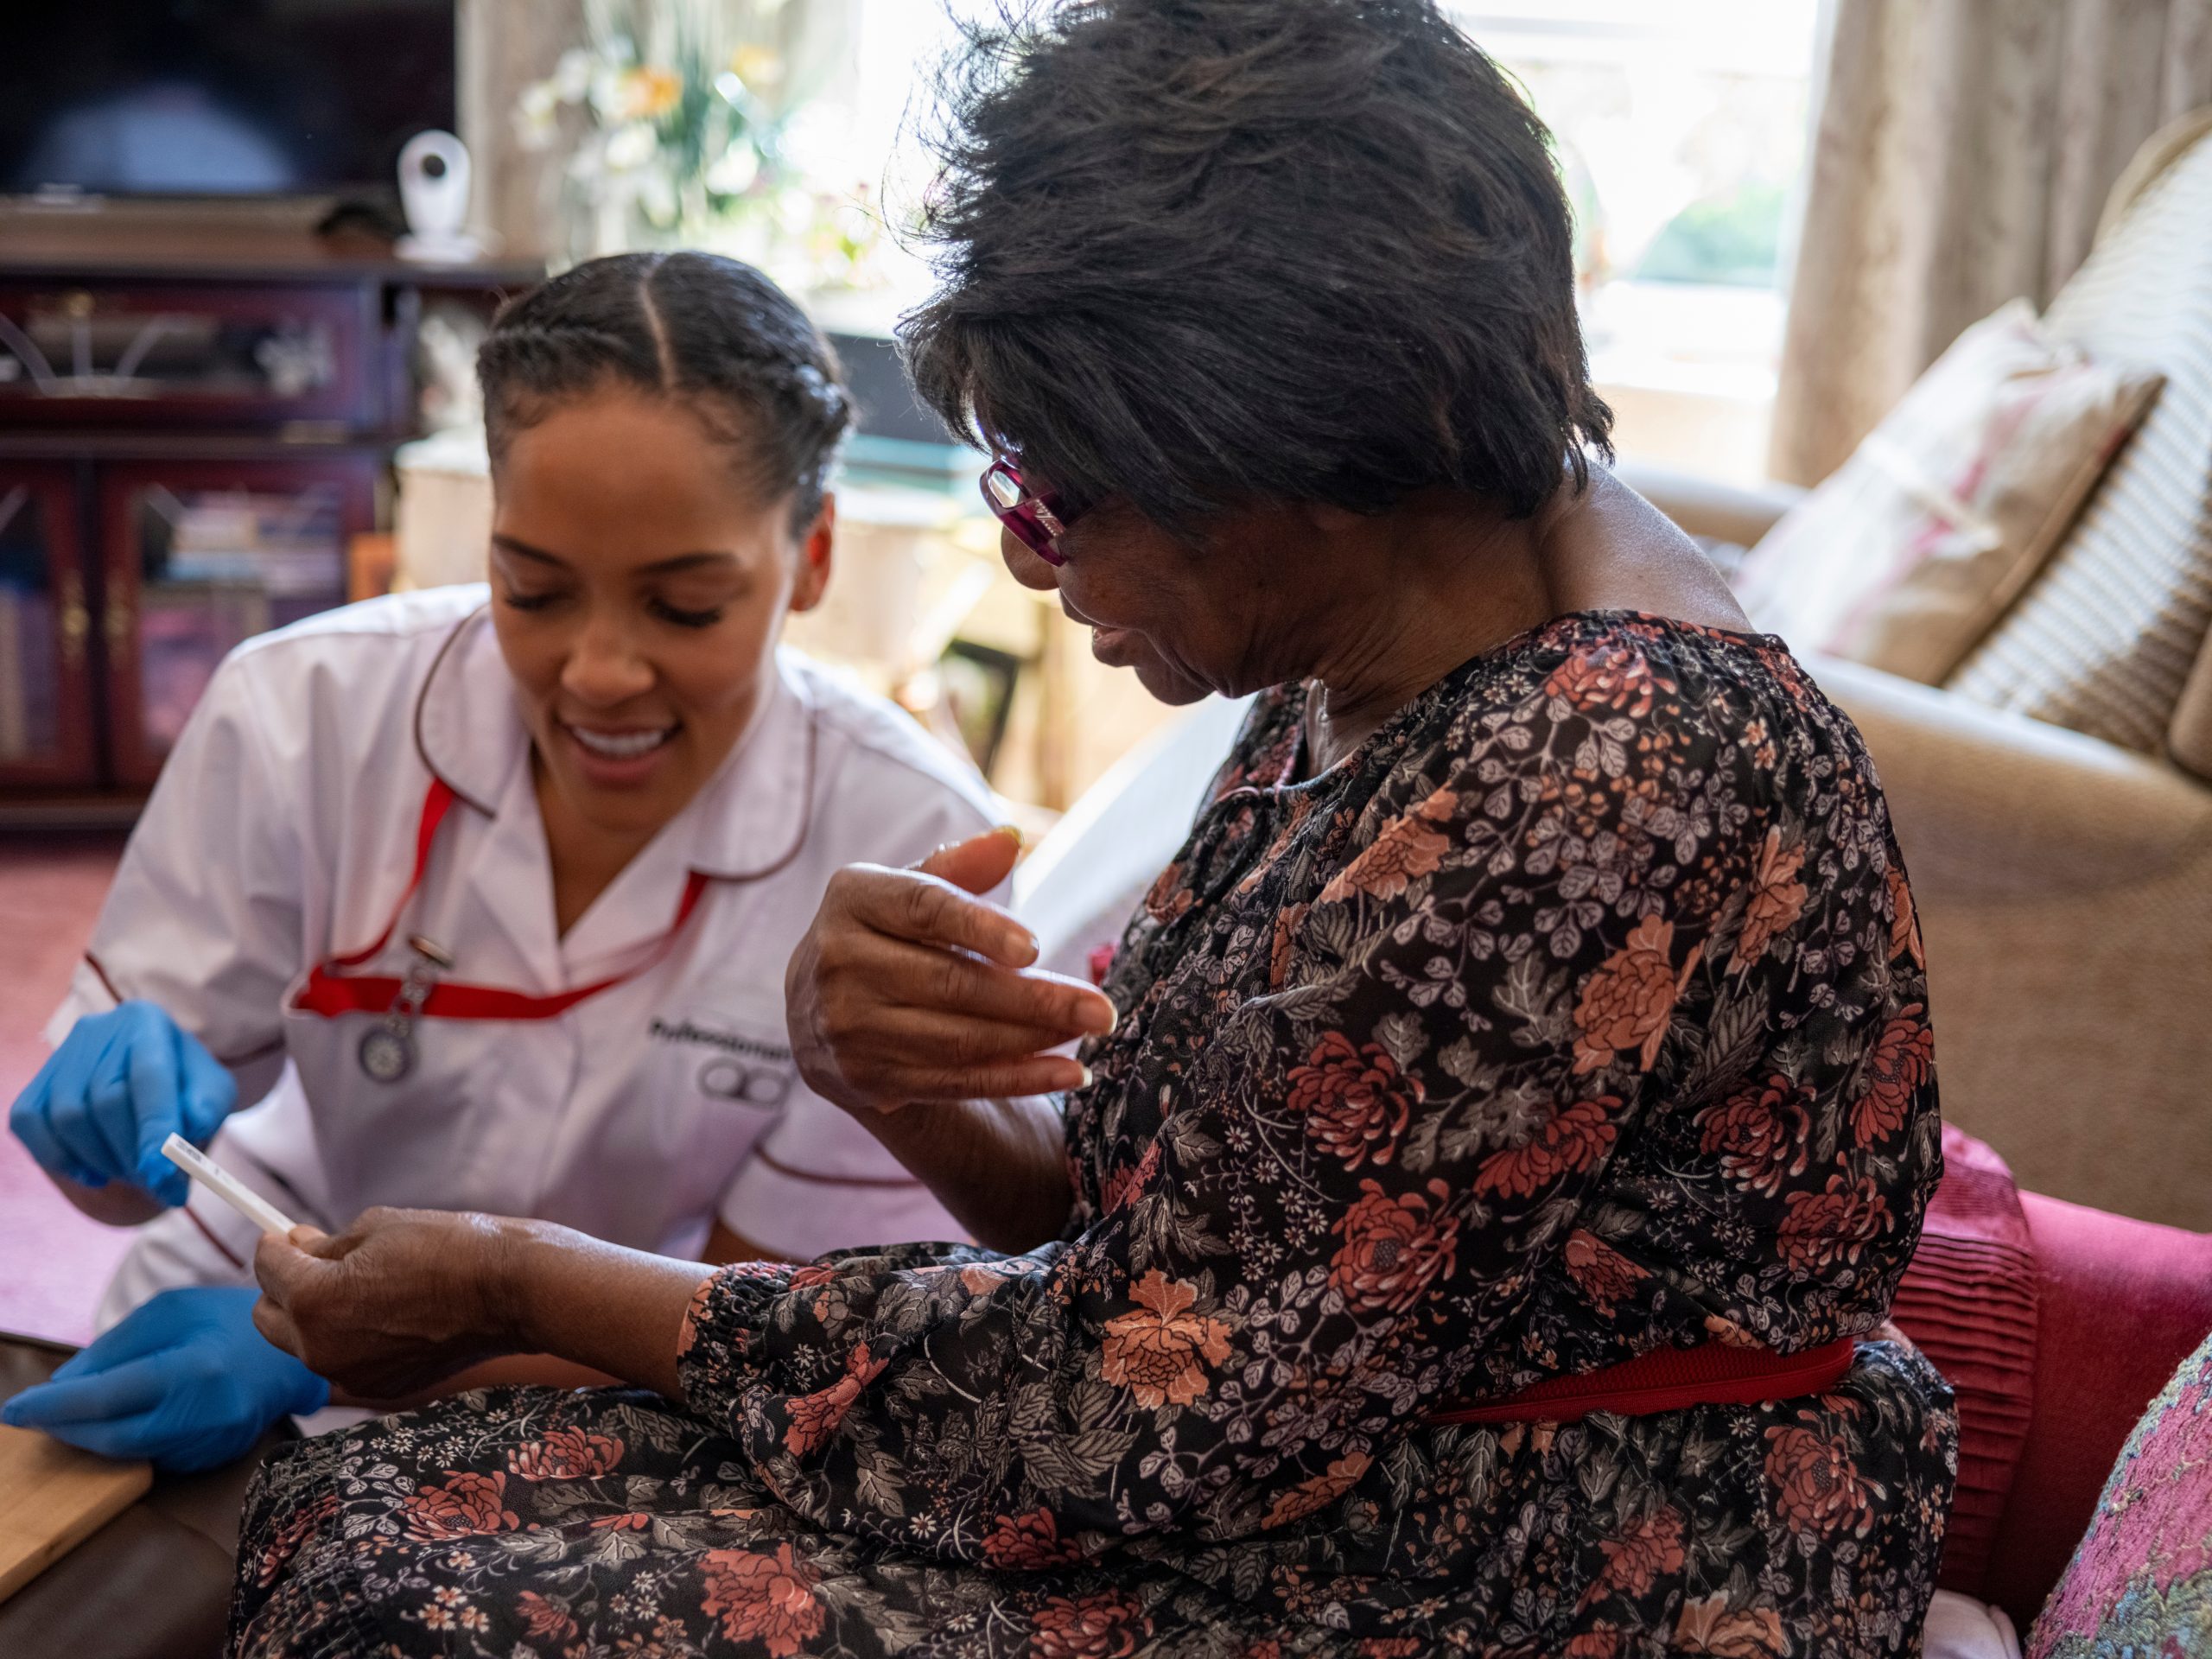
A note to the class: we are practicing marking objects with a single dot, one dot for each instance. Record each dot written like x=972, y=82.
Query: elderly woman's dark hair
x=1196, y=253
x=709, y=331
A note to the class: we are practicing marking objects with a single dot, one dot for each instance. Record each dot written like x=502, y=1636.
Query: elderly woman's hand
x=909, y=987
x=401, y=1299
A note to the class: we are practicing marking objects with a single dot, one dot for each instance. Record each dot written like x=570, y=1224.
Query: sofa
x=2051, y=797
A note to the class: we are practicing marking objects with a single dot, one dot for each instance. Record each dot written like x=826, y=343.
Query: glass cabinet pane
x=30, y=722
x=113, y=353
x=43, y=622
x=216, y=567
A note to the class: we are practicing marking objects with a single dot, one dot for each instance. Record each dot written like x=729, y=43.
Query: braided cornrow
x=694, y=326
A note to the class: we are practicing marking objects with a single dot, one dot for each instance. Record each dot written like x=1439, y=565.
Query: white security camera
x=434, y=189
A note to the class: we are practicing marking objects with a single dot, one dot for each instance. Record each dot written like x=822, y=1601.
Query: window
x=1682, y=128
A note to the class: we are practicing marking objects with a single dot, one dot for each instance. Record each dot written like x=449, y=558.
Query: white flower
x=629, y=147
x=656, y=195
x=534, y=116
x=734, y=174
x=572, y=77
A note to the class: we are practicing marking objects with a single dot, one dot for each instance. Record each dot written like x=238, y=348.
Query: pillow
x=1968, y=1300
x=1906, y=558
x=1960, y=1627
x=2141, y=1580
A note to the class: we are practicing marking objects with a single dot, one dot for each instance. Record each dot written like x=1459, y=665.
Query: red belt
x=1667, y=1379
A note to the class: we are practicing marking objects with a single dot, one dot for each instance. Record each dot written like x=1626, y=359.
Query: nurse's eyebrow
x=523, y=549
x=658, y=567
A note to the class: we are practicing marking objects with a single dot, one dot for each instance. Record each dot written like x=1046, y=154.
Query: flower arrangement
x=676, y=122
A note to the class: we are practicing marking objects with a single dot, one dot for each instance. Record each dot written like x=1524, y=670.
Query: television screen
x=219, y=98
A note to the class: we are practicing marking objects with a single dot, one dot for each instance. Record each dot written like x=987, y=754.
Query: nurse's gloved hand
x=121, y=1084
x=185, y=1380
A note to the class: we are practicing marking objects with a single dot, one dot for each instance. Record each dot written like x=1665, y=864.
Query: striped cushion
x=2104, y=639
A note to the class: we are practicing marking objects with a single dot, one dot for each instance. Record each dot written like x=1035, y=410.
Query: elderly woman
x=1475, y=1230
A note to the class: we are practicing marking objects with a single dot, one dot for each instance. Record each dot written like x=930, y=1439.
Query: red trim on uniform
x=234, y=1062
x=106, y=984
x=330, y=992
x=422, y=702
x=783, y=1168
x=208, y=1233
x=1667, y=1379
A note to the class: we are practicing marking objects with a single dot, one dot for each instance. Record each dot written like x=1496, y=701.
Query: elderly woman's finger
x=979, y=863
x=284, y=1268
x=928, y=909
x=930, y=1037
x=867, y=976
x=275, y=1324
x=1046, y=1074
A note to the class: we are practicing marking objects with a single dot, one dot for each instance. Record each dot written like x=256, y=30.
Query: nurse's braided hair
x=709, y=331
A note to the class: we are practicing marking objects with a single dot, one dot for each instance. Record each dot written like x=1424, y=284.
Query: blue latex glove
x=185, y=1380
x=121, y=1084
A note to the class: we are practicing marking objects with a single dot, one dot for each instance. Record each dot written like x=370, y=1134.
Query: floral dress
x=1580, y=1011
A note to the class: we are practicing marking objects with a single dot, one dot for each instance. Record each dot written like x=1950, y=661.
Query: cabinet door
x=199, y=555
x=46, y=726
x=107, y=355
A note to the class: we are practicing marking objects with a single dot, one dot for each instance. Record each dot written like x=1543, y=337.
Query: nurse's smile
x=640, y=582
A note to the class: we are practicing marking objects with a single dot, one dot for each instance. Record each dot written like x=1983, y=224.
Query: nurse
x=485, y=900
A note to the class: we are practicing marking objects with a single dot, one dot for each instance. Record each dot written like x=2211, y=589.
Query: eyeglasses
x=1036, y=517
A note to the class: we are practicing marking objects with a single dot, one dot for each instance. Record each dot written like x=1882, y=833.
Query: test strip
x=226, y=1185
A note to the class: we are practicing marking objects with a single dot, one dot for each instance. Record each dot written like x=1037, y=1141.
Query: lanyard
x=330, y=991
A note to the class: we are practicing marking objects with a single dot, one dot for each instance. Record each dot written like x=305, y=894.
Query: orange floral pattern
x=1105, y=1626
x=1572, y=1140
x=764, y=1598
x=1600, y=1272
x=815, y=1417
x=1813, y=1471
x=1028, y=1543
x=1628, y=1002
x=1835, y=1225
x=566, y=1454
x=1409, y=848
x=1316, y=1493
x=1902, y=1059
x=1759, y=1134
x=1708, y=1625
x=1777, y=899
x=1651, y=1550
x=1160, y=1353
x=1904, y=920
x=1355, y=1101
x=467, y=1503
x=1393, y=1248
x=1570, y=1018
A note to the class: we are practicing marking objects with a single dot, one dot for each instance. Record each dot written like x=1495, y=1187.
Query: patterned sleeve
x=1314, y=1204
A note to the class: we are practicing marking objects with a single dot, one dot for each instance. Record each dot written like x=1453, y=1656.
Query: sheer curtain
x=1962, y=156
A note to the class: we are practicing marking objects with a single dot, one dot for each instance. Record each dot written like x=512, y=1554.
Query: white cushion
x=1961, y=1628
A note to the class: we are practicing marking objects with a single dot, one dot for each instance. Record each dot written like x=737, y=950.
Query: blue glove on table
x=185, y=1380
x=121, y=1084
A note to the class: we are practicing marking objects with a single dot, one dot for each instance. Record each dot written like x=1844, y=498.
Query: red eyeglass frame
x=1037, y=517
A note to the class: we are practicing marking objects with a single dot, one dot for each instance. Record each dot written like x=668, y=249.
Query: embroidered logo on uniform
x=747, y=1069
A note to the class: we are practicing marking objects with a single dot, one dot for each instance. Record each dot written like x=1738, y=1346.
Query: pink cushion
x=2141, y=1580
x=2120, y=1302
x=1968, y=1300
x=2054, y=1324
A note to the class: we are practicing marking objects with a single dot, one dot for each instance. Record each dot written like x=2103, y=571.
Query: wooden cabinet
x=201, y=557
x=195, y=423
x=128, y=354
x=45, y=622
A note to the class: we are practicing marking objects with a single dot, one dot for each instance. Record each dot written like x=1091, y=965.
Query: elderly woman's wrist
x=523, y=1265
